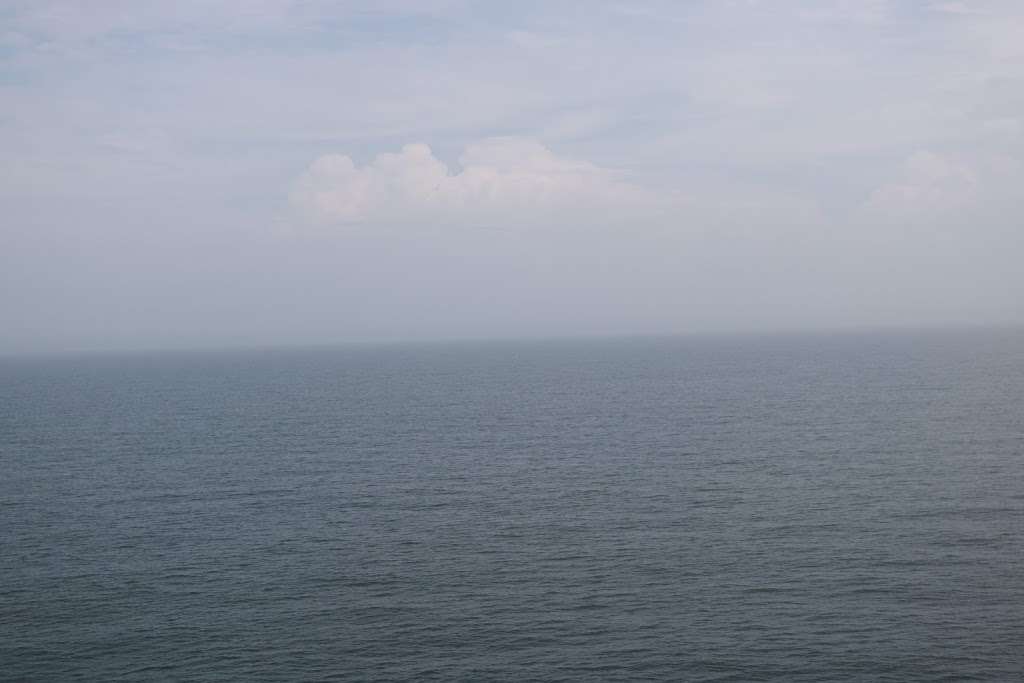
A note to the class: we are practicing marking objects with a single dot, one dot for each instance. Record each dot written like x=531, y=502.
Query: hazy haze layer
x=204, y=174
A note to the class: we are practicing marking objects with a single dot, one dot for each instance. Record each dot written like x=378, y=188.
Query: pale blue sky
x=217, y=173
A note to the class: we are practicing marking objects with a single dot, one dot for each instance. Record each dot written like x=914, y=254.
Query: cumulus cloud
x=512, y=182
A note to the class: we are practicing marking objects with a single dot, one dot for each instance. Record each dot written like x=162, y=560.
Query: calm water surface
x=788, y=508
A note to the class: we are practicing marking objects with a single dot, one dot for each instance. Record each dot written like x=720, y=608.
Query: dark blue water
x=789, y=508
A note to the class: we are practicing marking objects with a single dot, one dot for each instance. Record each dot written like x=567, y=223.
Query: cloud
x=506, y=182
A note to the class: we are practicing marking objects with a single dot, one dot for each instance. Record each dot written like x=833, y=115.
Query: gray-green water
x=790, y=508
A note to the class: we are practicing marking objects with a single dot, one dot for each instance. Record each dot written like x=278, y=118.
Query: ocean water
x=793, y=508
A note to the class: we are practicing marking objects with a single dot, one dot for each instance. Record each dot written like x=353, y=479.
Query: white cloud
x=511, y=182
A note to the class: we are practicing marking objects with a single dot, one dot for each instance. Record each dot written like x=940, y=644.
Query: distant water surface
x=792, y=508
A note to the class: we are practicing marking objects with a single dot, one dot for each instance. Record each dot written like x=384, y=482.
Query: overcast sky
x=193, y=173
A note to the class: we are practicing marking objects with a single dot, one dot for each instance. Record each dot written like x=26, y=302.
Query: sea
x=792, y=507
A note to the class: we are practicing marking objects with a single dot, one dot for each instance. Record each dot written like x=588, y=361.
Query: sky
x=210, y=174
